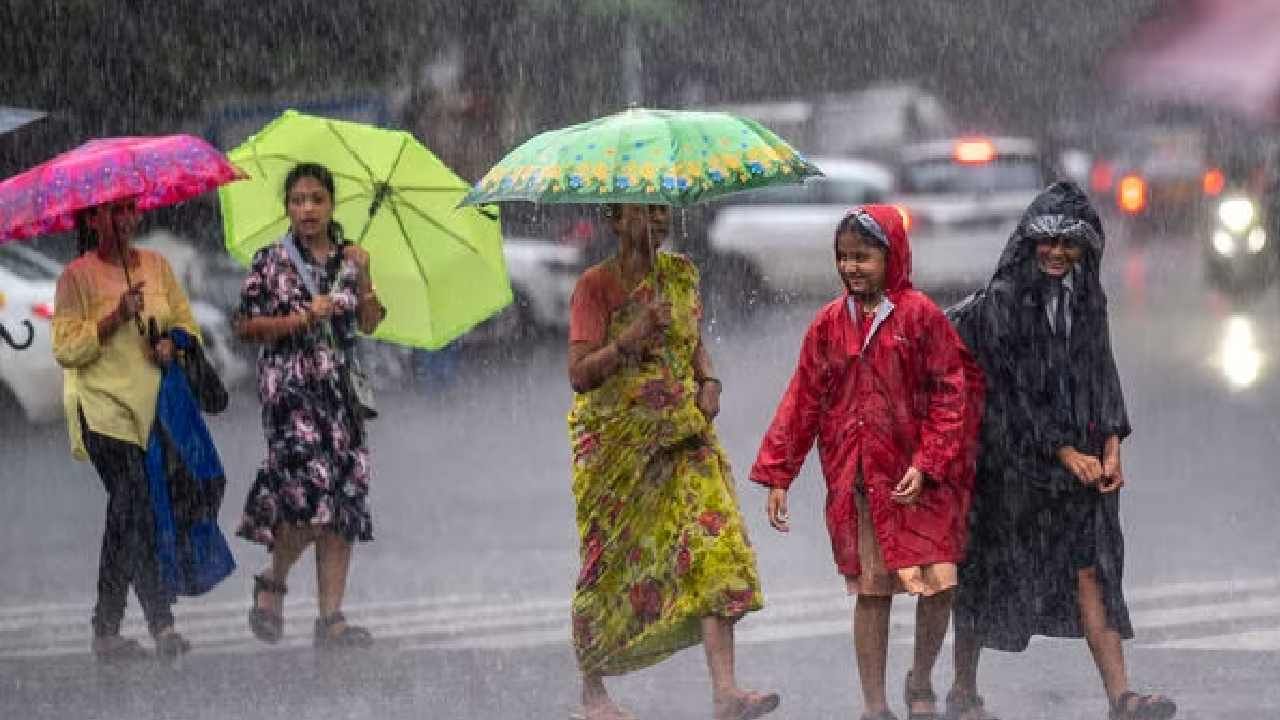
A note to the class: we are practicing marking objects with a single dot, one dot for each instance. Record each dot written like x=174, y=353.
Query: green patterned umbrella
x=648, y=156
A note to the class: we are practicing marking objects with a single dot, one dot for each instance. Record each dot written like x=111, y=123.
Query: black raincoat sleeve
x=1114, y=418
x=1020, y=427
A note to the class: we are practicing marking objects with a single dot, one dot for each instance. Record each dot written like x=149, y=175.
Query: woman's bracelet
x=710, y=379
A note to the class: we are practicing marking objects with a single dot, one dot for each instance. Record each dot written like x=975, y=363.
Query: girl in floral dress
x=666, y=562
x=313, y=485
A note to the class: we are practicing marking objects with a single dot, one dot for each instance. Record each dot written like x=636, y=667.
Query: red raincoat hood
x=897, y=267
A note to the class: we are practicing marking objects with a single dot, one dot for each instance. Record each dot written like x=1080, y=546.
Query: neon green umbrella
x=439, y=269
x=640, y=155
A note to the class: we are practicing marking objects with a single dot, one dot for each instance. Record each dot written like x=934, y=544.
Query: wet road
x=468, y=580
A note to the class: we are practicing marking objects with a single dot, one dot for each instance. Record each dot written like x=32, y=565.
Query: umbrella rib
x=425, y=188
x=265, y=226
x=279, y=156
x=383, y=189
x=334, y=129
x=431, y=221
x=417, y=261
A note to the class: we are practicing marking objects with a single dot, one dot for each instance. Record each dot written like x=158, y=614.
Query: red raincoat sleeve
x=795, y=424
x=943, y=431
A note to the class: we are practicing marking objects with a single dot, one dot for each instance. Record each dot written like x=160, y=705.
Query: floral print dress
x=316, y=471
x=663, y=543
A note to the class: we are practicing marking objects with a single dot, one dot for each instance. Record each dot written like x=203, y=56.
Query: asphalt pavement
x=468, y=580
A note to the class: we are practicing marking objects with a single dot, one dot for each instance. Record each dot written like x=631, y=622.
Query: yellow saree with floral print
x=663, y=543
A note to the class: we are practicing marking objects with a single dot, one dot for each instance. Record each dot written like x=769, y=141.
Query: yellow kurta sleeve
x=75, y=331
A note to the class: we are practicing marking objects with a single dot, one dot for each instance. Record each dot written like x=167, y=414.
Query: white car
x=543, y=273
x=32, y=377
x=963, y=198
x=779, y=240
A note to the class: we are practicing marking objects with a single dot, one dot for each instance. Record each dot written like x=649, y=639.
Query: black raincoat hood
x=1062, y=209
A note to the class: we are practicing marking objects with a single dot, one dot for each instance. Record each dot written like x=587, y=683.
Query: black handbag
x=205, y=384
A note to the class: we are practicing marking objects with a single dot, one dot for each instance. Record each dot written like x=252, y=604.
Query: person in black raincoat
x=1046, y=552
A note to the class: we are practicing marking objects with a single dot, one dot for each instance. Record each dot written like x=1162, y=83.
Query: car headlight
x=1257, y=240
x=1223, y=243
x=1236, y=214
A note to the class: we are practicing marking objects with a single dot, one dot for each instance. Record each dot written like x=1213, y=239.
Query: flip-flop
x=749, y=706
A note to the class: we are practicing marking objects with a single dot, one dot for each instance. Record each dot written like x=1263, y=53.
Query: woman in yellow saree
x=666, y=562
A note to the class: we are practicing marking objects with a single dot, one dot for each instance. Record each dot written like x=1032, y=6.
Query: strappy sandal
x=111, y=649
x=914, y=695
x=964, y=705
x=747, y=706
x=171, y=645
x=1132, y=706
x=885, y=714
x=350, y=636
x=267, y=625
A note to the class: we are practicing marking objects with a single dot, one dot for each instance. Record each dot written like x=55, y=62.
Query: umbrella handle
x=128, y=285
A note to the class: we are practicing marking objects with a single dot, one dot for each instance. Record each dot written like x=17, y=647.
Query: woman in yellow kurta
x=102, y=297
x=666, y=562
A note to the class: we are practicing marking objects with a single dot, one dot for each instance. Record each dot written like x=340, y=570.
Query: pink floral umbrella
x=158, y=171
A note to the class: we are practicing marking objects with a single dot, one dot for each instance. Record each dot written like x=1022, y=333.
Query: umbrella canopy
x=158, y=171
x=439, y=269
x=640, y=155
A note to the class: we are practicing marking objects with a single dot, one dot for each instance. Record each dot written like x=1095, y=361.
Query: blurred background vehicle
x=871, y=122
x=33, y=379
x=963, y=197
x=777, y=242
x=30, y=380
x=1156, y=175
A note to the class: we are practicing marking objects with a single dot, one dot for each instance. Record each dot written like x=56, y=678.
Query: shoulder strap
x=295, y=257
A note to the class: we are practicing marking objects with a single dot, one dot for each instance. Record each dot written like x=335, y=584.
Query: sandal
x=747, y=706
x=171, y=645
x=267, y=625
x=350, y=636
x=964, y=705
x=885, y=714
x=110, y=649
x=914, y=695
x=1132, y=706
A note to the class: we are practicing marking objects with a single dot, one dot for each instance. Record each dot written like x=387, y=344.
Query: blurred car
x=1239, y=246
x=34, y=378
x=962, y=198
x=888, y=115
x=777, y=241
x=30, y=379
x=543, y=273
x=1158, y=176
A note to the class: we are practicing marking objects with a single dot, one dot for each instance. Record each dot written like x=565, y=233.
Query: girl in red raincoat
x=890, y=393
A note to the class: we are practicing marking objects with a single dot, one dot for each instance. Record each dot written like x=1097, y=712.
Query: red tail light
x=1131, y=194
x=1102, y=177
x=1214, y=182
x=44, y=311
